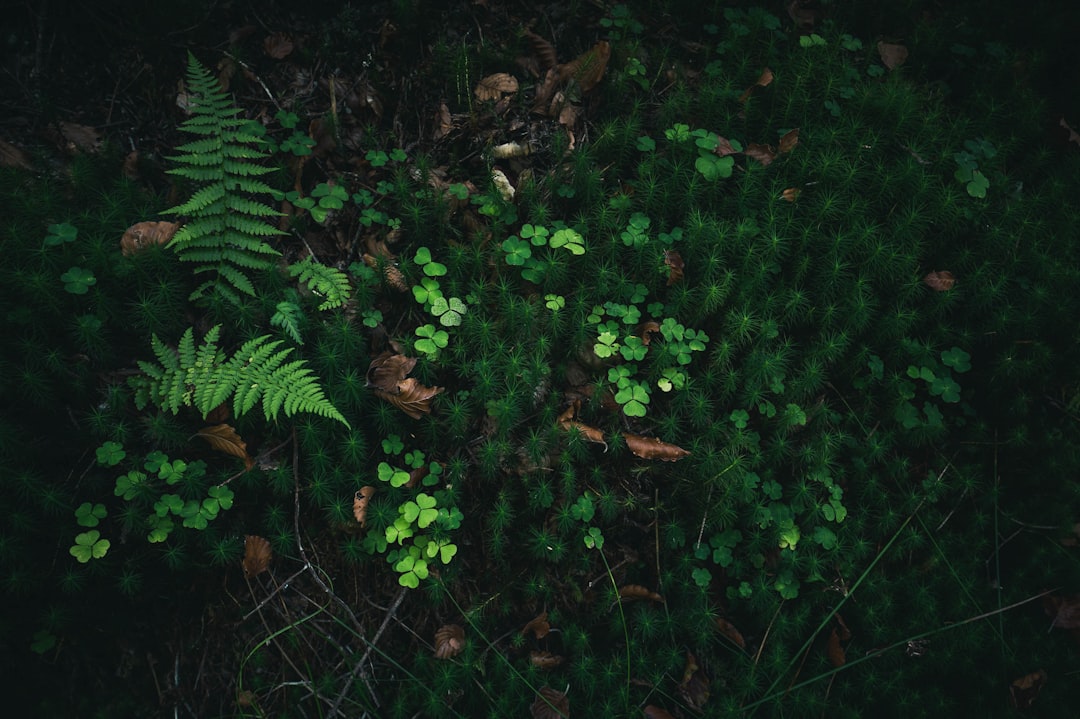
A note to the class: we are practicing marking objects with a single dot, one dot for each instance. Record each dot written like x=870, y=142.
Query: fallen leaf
x=387, y=370
x=636, y=591
x=544, y=660
x=1073, y=136
x=223, y=438
x=11, y=156
x=80, y=137
x=538, y=625
x=566, y=421
x=833, y=650
x=492, y=87
x=1025, y=690
x=589, y=67
x=653, y=448
x=892, y=55
x=724, y=147
x=412, y=398
x=550, y=704
x=942, y=281
x=449, y=641
x=278, y=45
x=803, y=14
x=646, y=330
x=694, y=686
x=257, y=555
x=789, y=140
x=1064, y=611
x=674, y=262
x=391, y=274
x=360, y=503
x=764, y=80
x=543, y=50
x=143, y=234
x=444, y=123
x=791, y=194
x=728, y=630
x=842, y=629
x=765, y=154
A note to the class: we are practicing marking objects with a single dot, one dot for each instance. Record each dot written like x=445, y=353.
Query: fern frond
x=288, y=317
x=329, y=283
x=203, y=377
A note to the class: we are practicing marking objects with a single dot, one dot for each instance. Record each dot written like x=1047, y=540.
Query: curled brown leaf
x=791, y=194
x=257, y=555
x=764, y=80
x=731, y=632
x=765, y=154
x=892, y=55
x=1025, y=690
x=836, y=654
x=278, y=45
x=143, y=234
x=674, y=262
x=694, y=686
x=492, y=87
x=449, y=641
x=636, y=591
x=789, y=140
x=566, y=422
x=544, y=660
x=360, y=503
x=223, y=438
x=940, y=281
x=538, y=625
x=412, y=398
x=550, y=704
x=653, y=448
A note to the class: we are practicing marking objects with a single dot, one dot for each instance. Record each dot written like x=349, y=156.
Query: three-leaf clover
x=956, y=358
x=396, y=477
x=89, y=545
x=110, y=454
x=421, y=510
x=431, y=340
x=517, y=250
x=89, y=515
x=61, y=233
x=78, y=280
x=448, y=310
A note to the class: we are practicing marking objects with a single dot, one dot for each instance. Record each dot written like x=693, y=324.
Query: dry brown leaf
x=550, y=704
x=11, y=156
x=449, y=641
x=591, y=434
x=223, y=438
x=764, y=154
x=544, y=660
x=791, y=194
x=568, y=117
x=728, y=630
x=654, y=712
x=833, y=650
x=646, y=331
x=636, y=591
x=412, y=398
x=388, y=370
x=842, y=629
x=892, y=54
x=257, y=555
x=1065, y=611
x=940, y=281
x=492, y=87
x=1025, y=690
x=538, y=625
x=360, y=503
x=444, y=123
x=653, y=448
x=589, y=67
x=694, y=686
x=724, y=147
x=789, y=140
x=278, y=45
x=764, y=80
x=543, y=50
x=803, y=14
x=80, y=137
x=1073, y=136
x=674, y=262
x=143, y=234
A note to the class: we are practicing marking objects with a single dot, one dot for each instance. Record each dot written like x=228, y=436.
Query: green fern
x=329, y=283
x=288, y=317
x=203, y=377
x=225, y=231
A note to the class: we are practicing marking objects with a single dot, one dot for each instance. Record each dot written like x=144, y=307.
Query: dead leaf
x=653, y=448
x=143, y=234
x=646, y=331
x=1065, y=611
x=654, y=712
x=444, y=123
x=278, y=45
x=833, y=650
x=1025, y=690
x=492, y=87
x=223, y=438
x=543, y=50
x=728, y=630
x=636, y=591
x=842, y=629
x=591, y=434
x=764, y=80
x=694, y=686
x=803, y=14
x=550, y=704
x=80, y=137
x=940, y=281
x=538, y=625
x=387, y=370
x=765, y=154
x=724, y=147
x=544, y=660
x=789, y=140
x=1073, y=136
x=791, y=194
x=257, y=555
x=412, y=398
x=589, y=67
x=674, y=262
x=360, y=503
x=449, y=641
x=892, y=54
x=11, y=156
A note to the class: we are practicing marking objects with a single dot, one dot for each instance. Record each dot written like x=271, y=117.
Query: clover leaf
x=517, y=250
x=78, y=280
x=956, y=358
x=396, y=477
x=89, y=545
x=61, y=233
x=110, y=454
x=89, y=515
x=448, y=310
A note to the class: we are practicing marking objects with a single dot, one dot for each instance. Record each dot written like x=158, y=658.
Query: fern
x=204, y=377
x=225, y=231
x=288, y=317
x=329, y=283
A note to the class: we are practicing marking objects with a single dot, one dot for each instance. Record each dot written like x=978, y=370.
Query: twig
x=358, y=668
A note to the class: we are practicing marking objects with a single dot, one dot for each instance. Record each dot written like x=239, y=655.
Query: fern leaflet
x=329, y=283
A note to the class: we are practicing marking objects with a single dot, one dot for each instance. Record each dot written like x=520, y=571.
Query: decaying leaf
x=1064, y=611
x=694, y=686
x=765, y=154
x=544, y=660
x=1072, y=134
x=724, y=147
x=449, y=641
x=387, y=370
x=278, y=45
x=538, y=626
x=940, y=281
x=223, y=438
x=444, y=122
x=386, y=376
x=652, y=711
x=728, y=630
x=543, y=50
x=833, y=650
x=80, y=137
x=412, y=398
x=764, y=80
x=550, y=704
x=1025, y=690
x=646, y=331
x=12, y=156
x=566, y=421
x=589, y=67
x=653, y=448
x=892, y=55
x=143, y=234
x=791, y=194
x=257, y=555
x=636, y=591
x=789, y=140
x=492, y=87
x=674, y=262
x=360, y=503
